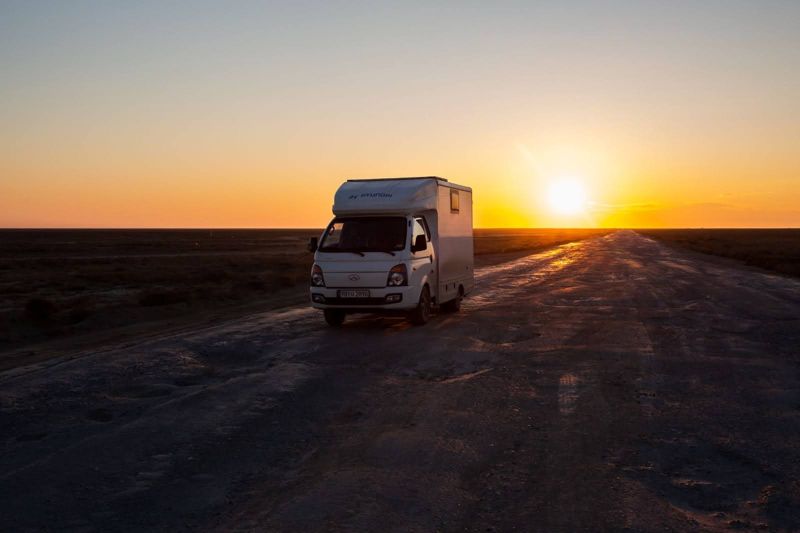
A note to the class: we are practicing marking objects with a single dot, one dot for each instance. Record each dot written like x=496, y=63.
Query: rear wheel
x=454, y=305
x=334, y=317
x=422, y=313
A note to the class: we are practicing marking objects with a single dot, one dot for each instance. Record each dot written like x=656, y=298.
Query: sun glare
x=567, y=197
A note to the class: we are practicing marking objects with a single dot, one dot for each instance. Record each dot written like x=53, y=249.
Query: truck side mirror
x=419, y=244
x=312, y=244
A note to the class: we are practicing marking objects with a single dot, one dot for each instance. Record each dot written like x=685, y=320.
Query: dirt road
x=607, y=384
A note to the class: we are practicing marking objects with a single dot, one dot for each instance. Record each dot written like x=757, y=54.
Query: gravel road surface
x=608, y=384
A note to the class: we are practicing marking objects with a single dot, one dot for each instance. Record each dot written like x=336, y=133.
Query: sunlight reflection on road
x=525, y=262
x=508, y=278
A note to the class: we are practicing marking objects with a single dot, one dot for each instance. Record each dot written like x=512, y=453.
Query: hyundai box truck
x=395, y=246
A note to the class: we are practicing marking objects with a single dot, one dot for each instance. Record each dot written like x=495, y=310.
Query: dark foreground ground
x=609, y=384
x=83, y=287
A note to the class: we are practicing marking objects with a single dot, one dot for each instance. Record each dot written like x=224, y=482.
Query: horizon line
x=256, y=228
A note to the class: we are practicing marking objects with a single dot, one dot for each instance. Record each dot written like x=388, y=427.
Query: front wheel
x=334, y=317
x=422, y=313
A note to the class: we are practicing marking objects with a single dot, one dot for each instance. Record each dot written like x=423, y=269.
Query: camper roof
x=408, y=178
x=389, y=195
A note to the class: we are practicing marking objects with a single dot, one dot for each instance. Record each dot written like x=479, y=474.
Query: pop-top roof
x=388, y=195
x=408, y=178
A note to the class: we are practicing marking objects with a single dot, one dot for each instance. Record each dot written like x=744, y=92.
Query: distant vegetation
x=772, y=249
x=56, y=283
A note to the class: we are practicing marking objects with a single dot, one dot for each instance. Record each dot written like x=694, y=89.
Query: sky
x=251, y=114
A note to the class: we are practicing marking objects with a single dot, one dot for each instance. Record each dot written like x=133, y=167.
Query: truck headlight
x=398, y=276
x=317, y=279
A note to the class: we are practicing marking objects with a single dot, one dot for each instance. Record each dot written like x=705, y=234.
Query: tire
x=334, y=317
x=422, y=313
x=454, y=305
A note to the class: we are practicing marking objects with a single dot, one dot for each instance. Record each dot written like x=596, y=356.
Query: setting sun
x=567, y=197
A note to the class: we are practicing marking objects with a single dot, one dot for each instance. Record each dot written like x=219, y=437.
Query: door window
x=419, y=229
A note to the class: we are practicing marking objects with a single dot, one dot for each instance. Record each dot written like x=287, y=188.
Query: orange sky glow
x=667, y=115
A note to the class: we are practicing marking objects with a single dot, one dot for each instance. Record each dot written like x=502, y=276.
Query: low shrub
x=161, y=297
x=78, y=314
x=39, y=309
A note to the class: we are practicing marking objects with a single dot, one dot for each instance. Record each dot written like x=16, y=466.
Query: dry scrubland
x=54, y=283
x=58, y=283
x=772, y=249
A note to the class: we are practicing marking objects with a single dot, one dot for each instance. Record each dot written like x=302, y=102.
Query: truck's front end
x=362, y=264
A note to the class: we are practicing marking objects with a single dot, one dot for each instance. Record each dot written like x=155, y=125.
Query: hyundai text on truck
x=395, y=246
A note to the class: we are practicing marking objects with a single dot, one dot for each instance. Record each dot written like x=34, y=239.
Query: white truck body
x=373, y=234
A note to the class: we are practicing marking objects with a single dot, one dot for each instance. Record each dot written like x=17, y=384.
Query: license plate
x=354, y=294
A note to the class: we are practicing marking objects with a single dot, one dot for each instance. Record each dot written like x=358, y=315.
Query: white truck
x=395, y=246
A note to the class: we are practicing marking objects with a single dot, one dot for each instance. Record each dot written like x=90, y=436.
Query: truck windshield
x=365, y=234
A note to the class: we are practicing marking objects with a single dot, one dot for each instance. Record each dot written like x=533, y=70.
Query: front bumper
x=382, y=299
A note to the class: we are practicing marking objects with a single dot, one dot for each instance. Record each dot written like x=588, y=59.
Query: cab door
x=423, y=262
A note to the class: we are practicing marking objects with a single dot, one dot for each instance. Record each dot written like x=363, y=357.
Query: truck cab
x=383, y=251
